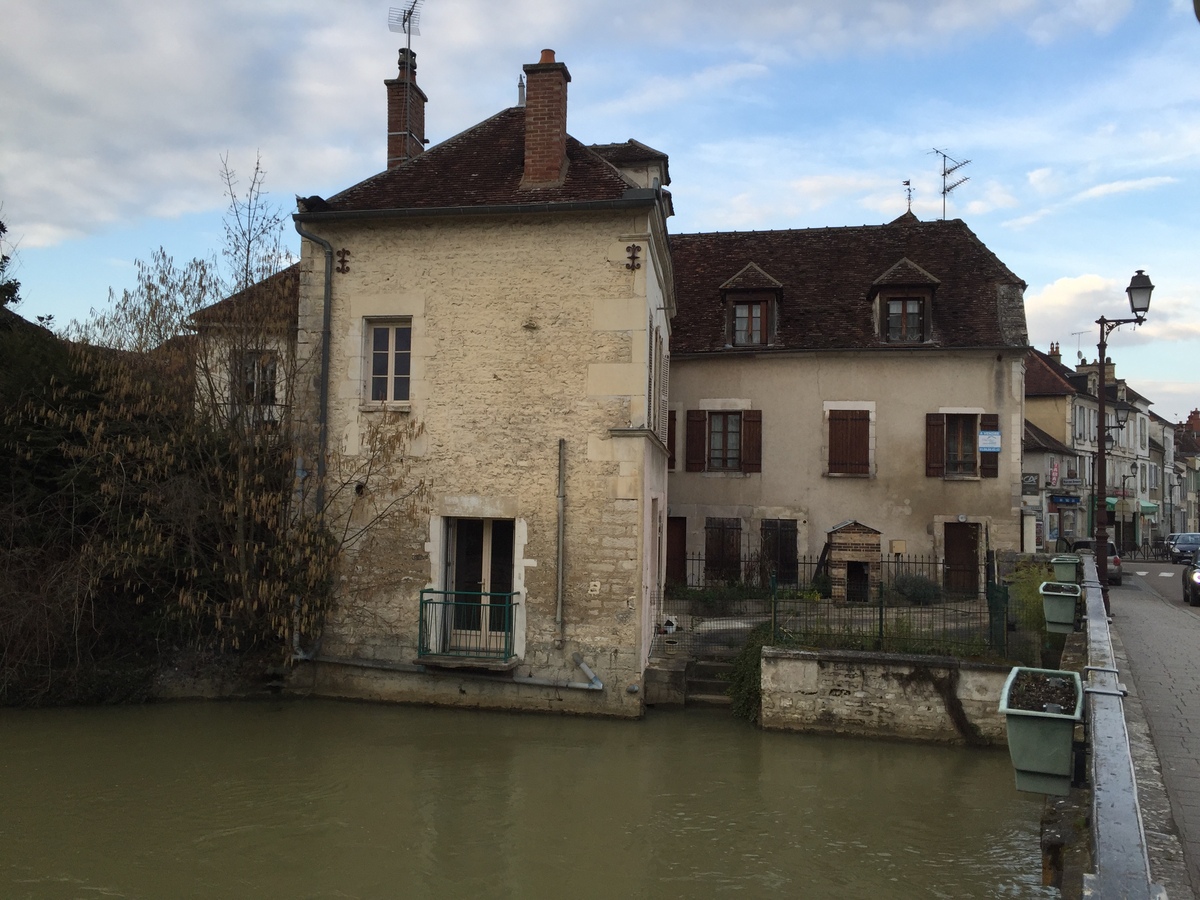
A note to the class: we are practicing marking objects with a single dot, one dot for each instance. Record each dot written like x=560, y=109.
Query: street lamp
x=1139, y=291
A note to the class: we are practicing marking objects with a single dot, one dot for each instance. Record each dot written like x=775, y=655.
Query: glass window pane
x=379, y=388
x=380, y=339
x=403, y=338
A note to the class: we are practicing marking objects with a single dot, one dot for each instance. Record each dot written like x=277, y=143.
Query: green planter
x=1066, y=568
x=1039, y=742
x=1058, y=604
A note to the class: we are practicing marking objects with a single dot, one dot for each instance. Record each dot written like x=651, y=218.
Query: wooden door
x=962, y=558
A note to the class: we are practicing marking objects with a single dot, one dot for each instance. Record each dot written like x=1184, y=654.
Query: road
x=1160, y=638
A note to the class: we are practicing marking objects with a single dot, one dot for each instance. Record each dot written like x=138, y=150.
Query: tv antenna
x=406, y=19
x=947, y=171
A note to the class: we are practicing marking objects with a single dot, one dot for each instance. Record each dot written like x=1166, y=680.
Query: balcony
x=468, y=630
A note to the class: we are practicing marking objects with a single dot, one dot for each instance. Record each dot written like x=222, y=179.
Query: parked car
x=1088, y=545
x=1191, y=581
x=1185, y=547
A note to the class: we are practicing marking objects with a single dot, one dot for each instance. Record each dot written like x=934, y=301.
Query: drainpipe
x=562, y=517
x=326, y=331
x=595, y=684
x=322, y=412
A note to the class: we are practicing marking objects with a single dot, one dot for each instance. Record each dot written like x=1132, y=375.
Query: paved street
x=1160, y=637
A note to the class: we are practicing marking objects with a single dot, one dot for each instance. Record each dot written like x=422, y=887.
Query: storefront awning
x=1149, y=509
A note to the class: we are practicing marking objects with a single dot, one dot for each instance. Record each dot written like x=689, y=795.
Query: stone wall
x=524, y=330
x=933, y=699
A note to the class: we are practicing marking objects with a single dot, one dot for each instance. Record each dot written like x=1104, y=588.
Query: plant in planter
x=1041, y=708
x=1058, y=605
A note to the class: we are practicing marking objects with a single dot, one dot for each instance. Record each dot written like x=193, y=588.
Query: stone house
x=1059, y=405
x=872, y=375
x=502, y=302
x=1049, y=504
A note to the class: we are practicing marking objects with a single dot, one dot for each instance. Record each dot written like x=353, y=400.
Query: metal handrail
x=478, y=627
x=1118, y=836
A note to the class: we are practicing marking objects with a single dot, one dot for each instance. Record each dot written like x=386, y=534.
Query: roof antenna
x=947, y=171
x=406, y=19
x=908, y=191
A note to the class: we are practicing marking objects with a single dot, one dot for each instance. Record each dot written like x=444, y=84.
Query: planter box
x=1058, y=604
x=1039, y=742
x=1066, y=568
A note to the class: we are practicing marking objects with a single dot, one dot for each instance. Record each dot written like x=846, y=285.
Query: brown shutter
x=752, y=440
x=989, y=463
x=671, y=440
x=697, y=439
x=849, y=441
x=935, y=445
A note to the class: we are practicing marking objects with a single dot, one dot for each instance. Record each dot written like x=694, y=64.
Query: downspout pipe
x=322, y=410
x=595, y=684
x=326, y=331
x=562, y=525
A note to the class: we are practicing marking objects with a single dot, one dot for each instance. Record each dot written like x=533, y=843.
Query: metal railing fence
x=466, y=624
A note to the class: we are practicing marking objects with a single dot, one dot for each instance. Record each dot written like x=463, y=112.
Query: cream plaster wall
x=794, y=393
x=525, y=330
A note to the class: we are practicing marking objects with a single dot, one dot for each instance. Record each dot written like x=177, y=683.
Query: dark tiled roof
x=481, y=167
x=751, y=278
x=274, y=301
x=828, y=276
x=631, y=153
x=1036, y=439
x=1046, y=378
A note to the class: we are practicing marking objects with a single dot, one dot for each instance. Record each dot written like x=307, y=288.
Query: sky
x=1080, y=120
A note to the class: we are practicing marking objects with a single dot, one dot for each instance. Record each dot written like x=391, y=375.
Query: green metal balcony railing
x=468, y=625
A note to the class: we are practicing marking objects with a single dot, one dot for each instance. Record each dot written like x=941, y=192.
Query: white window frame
x=368, y=361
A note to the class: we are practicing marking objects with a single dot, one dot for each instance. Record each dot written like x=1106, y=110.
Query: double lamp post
x=1139, y=291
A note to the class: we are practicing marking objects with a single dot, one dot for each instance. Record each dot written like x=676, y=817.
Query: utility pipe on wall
x=594, y=685
x=562, y=522
x=322, y=415
x=326, y=330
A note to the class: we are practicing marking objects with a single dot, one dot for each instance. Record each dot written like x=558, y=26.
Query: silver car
x=1088, y=545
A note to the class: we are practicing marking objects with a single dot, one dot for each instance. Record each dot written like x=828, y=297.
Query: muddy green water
x=339, y=800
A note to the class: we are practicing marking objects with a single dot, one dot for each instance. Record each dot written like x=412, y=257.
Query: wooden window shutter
x=671, y=440
x=697, y=439
x=989, y=463
x=664, y=380
x=935, y=445
x=849, y=441
x=752, y=440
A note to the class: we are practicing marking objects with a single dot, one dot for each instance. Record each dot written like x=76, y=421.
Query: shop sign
x=1029, y=483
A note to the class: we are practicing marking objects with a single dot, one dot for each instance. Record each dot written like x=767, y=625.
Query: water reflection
x=318, y=799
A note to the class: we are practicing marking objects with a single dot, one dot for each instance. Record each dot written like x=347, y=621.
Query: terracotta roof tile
x=828, y=277
x=482, y=166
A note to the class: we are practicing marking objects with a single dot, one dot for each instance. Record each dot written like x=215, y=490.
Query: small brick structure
x=854, y=561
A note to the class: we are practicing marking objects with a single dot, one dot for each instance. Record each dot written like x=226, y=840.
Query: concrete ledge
x=923, y=698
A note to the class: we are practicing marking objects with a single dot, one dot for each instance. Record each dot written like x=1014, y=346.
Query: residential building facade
x=844, y=377
x=486, y=325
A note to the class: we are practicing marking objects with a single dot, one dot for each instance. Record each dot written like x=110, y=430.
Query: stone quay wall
x=935, y=699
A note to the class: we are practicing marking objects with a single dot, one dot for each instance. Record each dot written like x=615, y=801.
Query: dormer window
x=751, y=299
x=904, y=303
x=749, y=322
x=906, y=320
x=749, y=318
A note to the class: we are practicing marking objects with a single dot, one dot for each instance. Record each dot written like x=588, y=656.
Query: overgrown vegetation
x=162, y=493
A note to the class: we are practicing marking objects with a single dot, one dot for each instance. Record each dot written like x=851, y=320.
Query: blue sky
x=1081, y=119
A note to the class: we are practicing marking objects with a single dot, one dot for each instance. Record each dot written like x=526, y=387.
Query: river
x=320, y=799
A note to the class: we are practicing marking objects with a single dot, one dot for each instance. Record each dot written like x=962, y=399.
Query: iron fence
x=465, y=624
x=897, y=604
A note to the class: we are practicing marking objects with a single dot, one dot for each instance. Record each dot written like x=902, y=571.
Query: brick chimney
x=405, y=112
x=1193, y=422
x=545, y=123
x=1054, y=353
